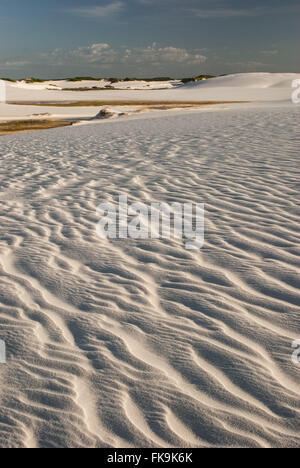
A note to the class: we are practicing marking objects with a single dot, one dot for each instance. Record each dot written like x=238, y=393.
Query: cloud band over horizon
x=147, y=37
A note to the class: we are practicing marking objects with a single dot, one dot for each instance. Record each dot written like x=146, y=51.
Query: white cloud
x=250, y=66
x=255, y=65
x=103, y=53
x=269, y=52
x=226, y=12
x=95, y=53
x=160, y=55
x=14, y=64
x=99, y=53
x=98, y=11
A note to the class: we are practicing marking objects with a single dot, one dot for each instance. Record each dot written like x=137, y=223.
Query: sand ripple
x=142, y=343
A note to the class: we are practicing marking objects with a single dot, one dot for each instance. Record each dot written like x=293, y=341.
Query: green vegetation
x=84, y=78
x=159, y=78
x=94, y=88
x=34, y=80
x=148, y=80
x=204, y=77
x=187, y=80
x=9, y=79
x=117, y=80
x=197, y=78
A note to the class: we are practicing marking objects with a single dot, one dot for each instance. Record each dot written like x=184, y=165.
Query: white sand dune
x=142, y=343
x=249, y=86
x=251, y=80
x=266, y=88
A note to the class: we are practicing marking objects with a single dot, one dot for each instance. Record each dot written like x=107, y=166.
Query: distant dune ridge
x=141, y=343
x=252, y=87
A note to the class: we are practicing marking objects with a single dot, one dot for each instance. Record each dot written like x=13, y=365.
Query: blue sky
x=147, y=37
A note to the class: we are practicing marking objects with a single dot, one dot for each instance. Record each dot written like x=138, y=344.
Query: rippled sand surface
x=142, y=343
